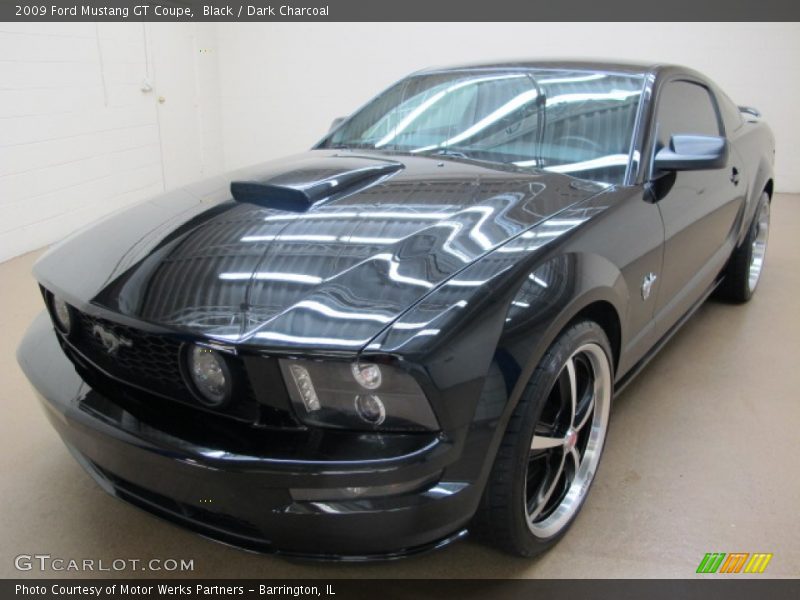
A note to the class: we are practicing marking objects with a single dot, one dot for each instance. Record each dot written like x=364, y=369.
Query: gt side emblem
x=647, y=284
x=111, y=342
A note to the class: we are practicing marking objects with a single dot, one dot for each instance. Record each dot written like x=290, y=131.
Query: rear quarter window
x=731, y=117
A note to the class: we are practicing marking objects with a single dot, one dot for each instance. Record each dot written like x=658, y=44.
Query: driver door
x=699, y=208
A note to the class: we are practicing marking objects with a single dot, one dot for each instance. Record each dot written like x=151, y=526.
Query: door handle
x=735, y=176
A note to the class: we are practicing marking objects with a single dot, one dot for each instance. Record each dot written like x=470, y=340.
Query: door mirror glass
x=692, y=153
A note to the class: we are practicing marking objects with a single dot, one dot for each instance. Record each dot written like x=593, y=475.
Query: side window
x=685, y=108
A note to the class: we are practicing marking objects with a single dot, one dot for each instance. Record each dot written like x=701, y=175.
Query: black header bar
x=400, y=10
x=710, y=588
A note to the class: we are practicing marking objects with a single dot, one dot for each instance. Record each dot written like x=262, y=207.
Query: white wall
x=78, y=137
x=282, y=84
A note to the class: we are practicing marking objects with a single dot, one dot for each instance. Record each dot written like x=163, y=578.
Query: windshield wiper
x=447, y=152
x=350, y=146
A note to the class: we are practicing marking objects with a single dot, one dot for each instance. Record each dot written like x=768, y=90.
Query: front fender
x=480, y=334
x=549, y=299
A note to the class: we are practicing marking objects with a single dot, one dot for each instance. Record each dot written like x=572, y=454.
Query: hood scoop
x=310, y=182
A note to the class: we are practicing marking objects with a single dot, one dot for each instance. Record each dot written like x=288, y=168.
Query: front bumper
x=231, y=482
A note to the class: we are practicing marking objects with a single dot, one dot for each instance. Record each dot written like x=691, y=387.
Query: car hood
x=333, y=276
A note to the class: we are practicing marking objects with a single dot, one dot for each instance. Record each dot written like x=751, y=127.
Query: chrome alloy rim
x=567, y=441
x=759, y=245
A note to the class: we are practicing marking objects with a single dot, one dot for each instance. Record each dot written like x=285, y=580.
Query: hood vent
x=271, y=196
x=299, y=189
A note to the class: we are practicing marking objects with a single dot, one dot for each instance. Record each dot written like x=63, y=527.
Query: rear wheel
x=747, y=262
x=552, y=446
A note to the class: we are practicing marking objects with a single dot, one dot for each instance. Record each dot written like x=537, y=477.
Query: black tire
x=502, y=518
x=737, y=285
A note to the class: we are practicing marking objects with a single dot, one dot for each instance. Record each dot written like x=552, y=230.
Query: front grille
x=150, y=363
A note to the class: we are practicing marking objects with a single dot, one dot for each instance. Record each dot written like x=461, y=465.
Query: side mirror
x=692, y=153
x=336, y=122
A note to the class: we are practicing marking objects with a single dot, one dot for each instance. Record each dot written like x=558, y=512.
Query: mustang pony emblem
x=111, y=342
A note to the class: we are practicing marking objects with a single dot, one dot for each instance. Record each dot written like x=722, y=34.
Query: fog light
x=305, y=386
x=210, y=376
x=370, y=408
x=368, y=376
x=62, y=314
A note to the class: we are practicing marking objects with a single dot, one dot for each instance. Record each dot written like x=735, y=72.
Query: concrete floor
x=701, y=457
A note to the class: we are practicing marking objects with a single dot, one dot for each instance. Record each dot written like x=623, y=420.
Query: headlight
x=356, y=396
x=367, y=375
x=62, y=314
x=210, y=376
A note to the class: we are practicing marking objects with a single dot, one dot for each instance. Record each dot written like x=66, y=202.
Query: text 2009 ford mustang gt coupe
x=417, y=327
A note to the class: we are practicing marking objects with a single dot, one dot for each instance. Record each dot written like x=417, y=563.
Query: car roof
x=614, y=66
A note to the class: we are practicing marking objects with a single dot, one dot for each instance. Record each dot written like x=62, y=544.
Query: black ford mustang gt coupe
x=417, y=327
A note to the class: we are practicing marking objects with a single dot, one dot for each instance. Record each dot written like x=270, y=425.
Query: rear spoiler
x=749, y=110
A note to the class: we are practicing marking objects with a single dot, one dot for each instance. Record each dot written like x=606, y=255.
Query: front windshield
x=575, y=122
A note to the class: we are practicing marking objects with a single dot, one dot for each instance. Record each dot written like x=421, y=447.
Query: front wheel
x=552, y=446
